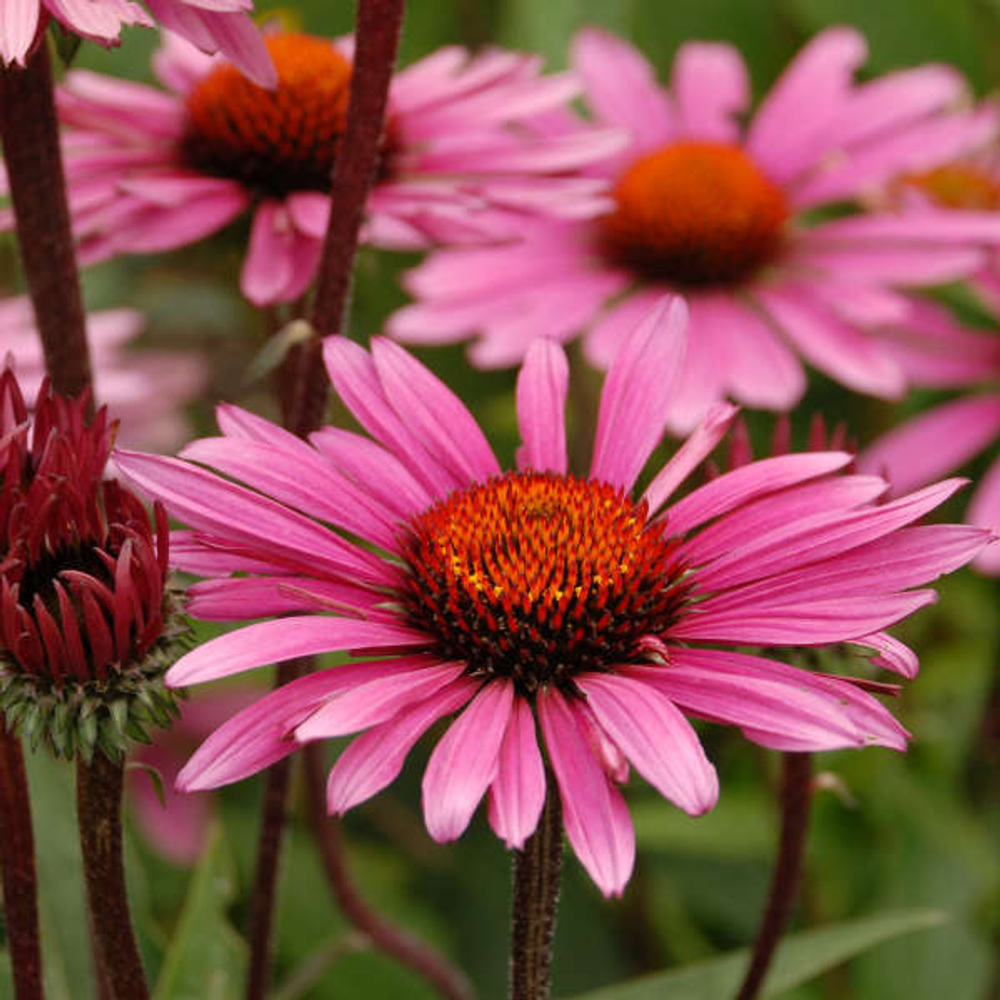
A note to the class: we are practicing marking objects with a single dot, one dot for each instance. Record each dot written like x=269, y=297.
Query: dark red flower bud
x=85, y=613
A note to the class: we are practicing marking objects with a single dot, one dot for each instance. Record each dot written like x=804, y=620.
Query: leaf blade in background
x=206, y=957
x=801, y=957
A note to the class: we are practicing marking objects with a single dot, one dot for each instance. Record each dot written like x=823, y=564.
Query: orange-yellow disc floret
x=539, y=576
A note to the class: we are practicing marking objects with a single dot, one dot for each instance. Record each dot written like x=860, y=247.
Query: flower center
x=957, y=185
x=695, y=214
x=273, y=141
x=538, y=577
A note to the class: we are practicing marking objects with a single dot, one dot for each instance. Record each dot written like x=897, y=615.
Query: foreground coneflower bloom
x=152, y=171
x=727, y=215
x=534, y=596
x=84, y=613
x=145, y=391
x=215, y=26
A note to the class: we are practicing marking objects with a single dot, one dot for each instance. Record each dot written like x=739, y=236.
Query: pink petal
x=240, y=598
x=934, y=443
x=269, y=530
x=819, y=713
x=378, y=700
x=984, y=510
x=787, y=133
x=638, y=386
x=748, y=482
x=465, y=761
x=18, y=24
x=892, y=654
x=541, y=403
x=840, y=350
x=597, y=822
x=655, y=737
x=517, y=794
x=816, y=536
x=373, y=759
x=691, y=453
x=282, y=639
x=435, y=413
x=711, y=87
x=621, y=86
x=267, y=269
x=759, y=369
x=261, y=734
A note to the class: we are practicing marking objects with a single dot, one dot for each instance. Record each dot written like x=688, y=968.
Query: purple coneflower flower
x=737, y=218
x=151, y=170
x=534, y=599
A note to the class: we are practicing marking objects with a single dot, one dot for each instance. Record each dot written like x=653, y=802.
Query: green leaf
x=206, y=957
x=801, y=957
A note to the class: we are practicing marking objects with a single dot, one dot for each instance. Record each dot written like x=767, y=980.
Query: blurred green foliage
x=915, y=832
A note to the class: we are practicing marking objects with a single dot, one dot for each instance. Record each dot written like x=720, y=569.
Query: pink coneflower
x=728, y=215
x=153, y=171
x=213, y=25
x=534, y=595
x=144, y=390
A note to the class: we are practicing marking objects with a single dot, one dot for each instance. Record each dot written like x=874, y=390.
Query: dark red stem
x=99, y=807
x=537, y=872
x=17, y=868
x=30, y=133
x=376, y=41
x=796, y=798
x=272, y=830
x=392, y=940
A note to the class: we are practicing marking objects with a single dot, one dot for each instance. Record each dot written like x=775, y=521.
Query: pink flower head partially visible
x=145, y=391
x=213, y=25
x=535, y=599
x=943, y=439
x=726, y=214
x=154, y=170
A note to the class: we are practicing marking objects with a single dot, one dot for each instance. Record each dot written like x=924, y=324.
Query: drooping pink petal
x=517, y=794
x=655, y=737
x=631, y=415
x=541, y=403
x=818, y=713
x=282, y=639
x=378, y=700
x=596, y=819
x=891, y=653
x=373, y=760
x=465, y=761
x=261, y=734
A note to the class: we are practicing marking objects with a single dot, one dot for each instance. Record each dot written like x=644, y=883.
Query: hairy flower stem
x=30, y=134
x=796, y=798
x=99, y=807
x=393, y=941
x=272, y=829
x=537, y=871
x=376, y=41
x=17, y=868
